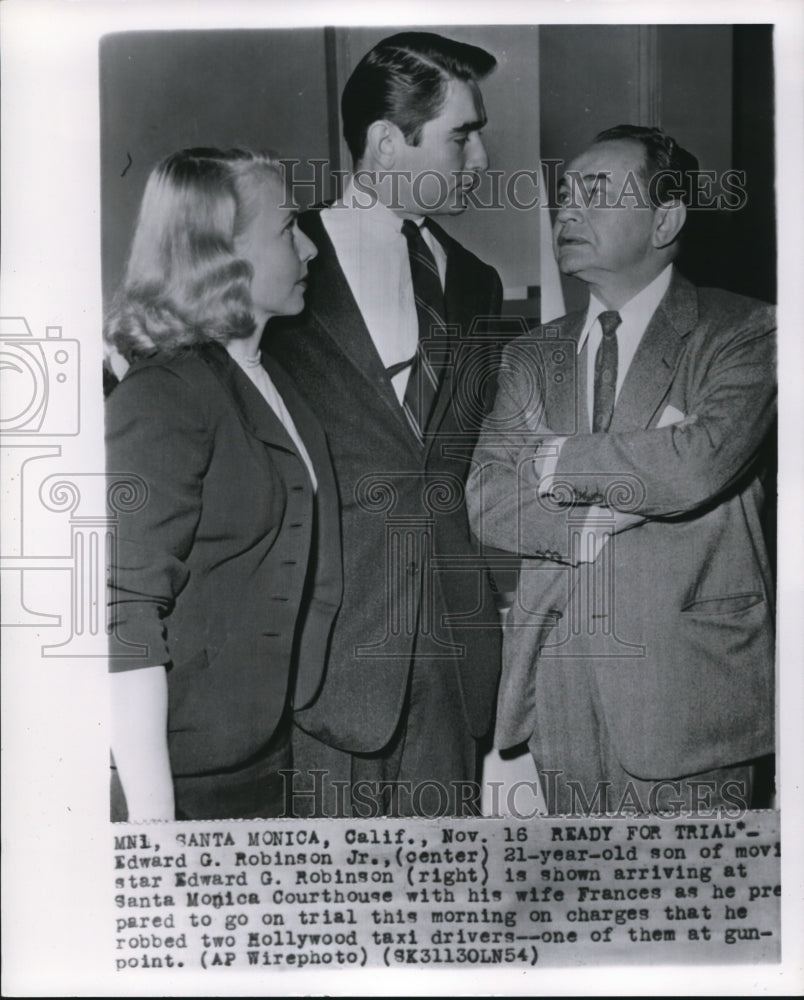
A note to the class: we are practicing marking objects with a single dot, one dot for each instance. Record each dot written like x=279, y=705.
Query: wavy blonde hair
x=183, y=283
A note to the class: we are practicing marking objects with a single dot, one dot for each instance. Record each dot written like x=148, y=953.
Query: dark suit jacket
x=680, y=637
x=230, y=572
x=413, y=576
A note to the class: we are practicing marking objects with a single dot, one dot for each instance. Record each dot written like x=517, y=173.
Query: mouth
x=467, y=181
x=571, y=241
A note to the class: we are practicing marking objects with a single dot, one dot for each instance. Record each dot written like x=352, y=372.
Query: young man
x=385, y=357
x=639, y=660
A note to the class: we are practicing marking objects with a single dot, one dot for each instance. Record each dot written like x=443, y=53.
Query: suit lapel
x=306, y=422
x=564, y=399
x=331, y=303
x=255, y=413
x=260, y=419
x=656, y=358
x=460, y=312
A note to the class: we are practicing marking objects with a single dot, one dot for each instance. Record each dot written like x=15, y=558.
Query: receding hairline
x=641, y=164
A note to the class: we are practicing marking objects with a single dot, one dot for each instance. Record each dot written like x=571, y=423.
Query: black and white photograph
x=401, y=441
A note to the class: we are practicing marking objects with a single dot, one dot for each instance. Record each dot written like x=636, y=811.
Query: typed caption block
x=343, y=894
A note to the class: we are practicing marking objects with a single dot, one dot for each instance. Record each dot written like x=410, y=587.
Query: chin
x=290, y=308
x=451, y=207
x=570, y=260
x=293, y=310
x=295, y=304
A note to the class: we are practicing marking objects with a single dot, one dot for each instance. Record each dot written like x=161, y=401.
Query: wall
x=754, y=228
x=554, y=88
x=163, y=91
x=711, y=87
x=509, y=238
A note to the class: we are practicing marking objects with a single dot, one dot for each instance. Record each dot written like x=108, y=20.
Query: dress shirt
x=252, y=366
x=635, y=316
x=373, y=254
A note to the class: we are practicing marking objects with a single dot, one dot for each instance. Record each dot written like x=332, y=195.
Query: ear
x=382, y=139
x=668, y=222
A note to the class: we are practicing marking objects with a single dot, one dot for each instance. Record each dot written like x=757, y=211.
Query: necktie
x=606, y=371
x=423, y=382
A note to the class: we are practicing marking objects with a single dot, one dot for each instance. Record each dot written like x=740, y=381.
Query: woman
x=225, y=582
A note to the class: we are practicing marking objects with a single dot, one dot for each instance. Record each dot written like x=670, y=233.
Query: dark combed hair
x=403, y=79
x=667, y=166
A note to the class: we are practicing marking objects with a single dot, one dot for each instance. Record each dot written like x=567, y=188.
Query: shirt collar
x=371, y=210
x=637, y=312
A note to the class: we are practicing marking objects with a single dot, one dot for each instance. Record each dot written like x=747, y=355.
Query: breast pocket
x=726, y=605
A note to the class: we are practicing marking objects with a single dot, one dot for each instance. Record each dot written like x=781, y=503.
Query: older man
x=638, y=659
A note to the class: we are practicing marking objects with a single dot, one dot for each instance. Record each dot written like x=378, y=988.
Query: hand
x=139, y=742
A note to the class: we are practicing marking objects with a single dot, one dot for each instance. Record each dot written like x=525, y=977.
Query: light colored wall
x=163, y=91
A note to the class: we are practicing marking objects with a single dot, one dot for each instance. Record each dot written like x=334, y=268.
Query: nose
x=568, y=208
x=305, y=248
x=565, y=214
x=476, y=156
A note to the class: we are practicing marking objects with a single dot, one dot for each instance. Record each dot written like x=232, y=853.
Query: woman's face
x=278, y=251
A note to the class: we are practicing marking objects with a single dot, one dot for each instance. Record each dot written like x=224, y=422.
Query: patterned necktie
x=606, y=371
x=428, y=294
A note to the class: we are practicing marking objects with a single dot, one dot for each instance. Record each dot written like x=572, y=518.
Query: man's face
x=604, y=225
x=449, y=152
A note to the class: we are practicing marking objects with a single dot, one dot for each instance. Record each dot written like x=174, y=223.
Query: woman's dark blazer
x=229, y=573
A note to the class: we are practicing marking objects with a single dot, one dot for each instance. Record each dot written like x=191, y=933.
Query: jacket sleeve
x=687, y=466
x=503, y=502
x=157, y=430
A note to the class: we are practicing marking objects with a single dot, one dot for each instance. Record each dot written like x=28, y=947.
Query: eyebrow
x=601, y=175
x=467, y=127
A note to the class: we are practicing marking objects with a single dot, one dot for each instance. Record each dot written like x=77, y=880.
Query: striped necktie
x=606, y=372
x=424, y=379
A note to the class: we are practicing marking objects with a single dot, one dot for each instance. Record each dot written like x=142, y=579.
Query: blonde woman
x=225, y=583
